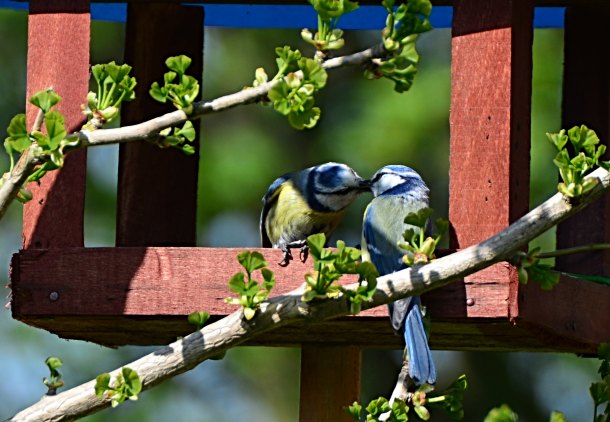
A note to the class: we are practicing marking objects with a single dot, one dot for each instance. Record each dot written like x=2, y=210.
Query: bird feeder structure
x=141, y=291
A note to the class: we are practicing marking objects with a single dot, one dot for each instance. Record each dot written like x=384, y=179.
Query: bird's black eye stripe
x=377, y=177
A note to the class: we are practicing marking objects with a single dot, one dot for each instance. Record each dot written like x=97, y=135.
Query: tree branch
x=186, y=353
x=149, y=130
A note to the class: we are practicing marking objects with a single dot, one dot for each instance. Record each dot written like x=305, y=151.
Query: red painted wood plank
x=330, y=380
x=158, y=188
x=141, y=296
x=58, y=57
x=490, y=127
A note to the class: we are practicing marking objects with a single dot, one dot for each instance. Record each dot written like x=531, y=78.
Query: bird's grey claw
x=304, y=253
x=287, y=258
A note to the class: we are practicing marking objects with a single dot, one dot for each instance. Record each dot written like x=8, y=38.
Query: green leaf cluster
x=380, y=410
x=600, y=391
x=127, y=385
x=299, y=79
x=574, y=167
x=404, y=23
x=529, y=267
x=114, y=86
x=47, y=147
x=178, y=87
x=328, y=37
x=180, y=138
x=419, y=247
x=250, y=292
x=330, y=265
x=451, y=398
x=54, y=381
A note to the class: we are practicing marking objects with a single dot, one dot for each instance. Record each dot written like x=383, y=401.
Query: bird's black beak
x=364, y=185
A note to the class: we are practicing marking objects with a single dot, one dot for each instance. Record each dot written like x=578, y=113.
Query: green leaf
x=557, y=417
x=53, y=363
x=422, y=412
x=237, y=283
x=251, y=261
x=18, y=138
x=198, y=318
x=419, y=218
x=305, y=119
x=269, y=279
x=99, y=73
x=188, y=131
x=316, y=243
x=45, y=100
x=102, y=383
x=600, y=392
x=178, y=64
x=354, y=410
x=287, y=60
x=158, y=93
x=543, y=275
x=604, y=351
x=501, y=414
x=132, y=381
x=559, y=140
x=313, y=72
x=56, y=130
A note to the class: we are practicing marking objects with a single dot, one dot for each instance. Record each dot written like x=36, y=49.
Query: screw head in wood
x=53, y=296
x=470, y=302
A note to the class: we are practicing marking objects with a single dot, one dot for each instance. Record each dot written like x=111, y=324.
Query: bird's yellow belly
x=291, y=219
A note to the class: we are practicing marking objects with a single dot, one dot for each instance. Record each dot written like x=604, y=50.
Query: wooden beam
x=330, y=380
x=157, y=192
x=577, y=308
x=58, y=57
x=117, y=296
x=490, y=134
x=586, y=100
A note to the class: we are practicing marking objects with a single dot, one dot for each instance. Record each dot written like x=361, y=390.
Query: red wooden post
x=586, y=100
x=157, y=193
x=58, y=57
x=583, y=312
x=330, y=380
x=490, y=138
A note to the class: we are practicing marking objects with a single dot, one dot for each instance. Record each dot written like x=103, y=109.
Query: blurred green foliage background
x=365, y=124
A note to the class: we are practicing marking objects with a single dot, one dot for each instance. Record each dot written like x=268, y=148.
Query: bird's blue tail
x=421, y=365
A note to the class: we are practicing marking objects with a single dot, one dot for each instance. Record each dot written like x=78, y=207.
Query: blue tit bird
x=398, y=190
x=307, y=202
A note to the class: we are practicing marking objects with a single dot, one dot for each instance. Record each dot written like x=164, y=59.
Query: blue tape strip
x=296, y=16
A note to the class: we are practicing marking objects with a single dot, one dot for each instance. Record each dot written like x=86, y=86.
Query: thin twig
x=575, y=250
